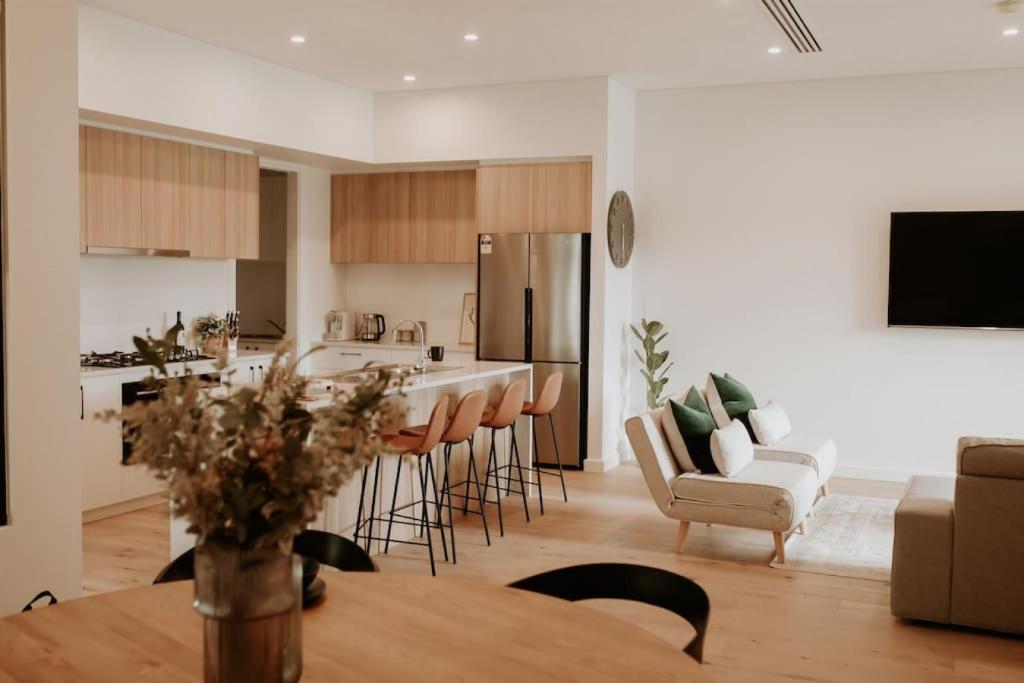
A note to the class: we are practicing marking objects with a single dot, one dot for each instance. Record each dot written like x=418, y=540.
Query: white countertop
x=355, y=343
x=140, y=371
x=465, y=372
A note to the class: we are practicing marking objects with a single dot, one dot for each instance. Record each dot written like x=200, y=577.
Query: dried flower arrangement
x=247, y=466
x=209, y=327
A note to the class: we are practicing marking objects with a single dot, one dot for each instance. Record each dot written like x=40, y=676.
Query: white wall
x=134, y=70
x=763, y=216
x=41, y=548
x=121, y=296
x=430, y=292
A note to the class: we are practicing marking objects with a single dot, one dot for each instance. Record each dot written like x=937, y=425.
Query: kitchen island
x=416, y=398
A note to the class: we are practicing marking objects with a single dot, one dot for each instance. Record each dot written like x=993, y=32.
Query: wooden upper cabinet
x=165, y=195
x=549, y=197
x=241, y=206
x=206, y=226
x=82, y=222
x=113, y=195
x=561, y=197
x=504, y=198
x=422, y=217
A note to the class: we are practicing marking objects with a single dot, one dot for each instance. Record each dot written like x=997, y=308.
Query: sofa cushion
x=922, y=554
x=817, y=453
x=729, y=400
x=987, y=457
x=731, y=449
x=769, y=495
x=770, y=423
x=688, y=426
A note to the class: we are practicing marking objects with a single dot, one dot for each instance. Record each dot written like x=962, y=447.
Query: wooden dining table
x=368, y=627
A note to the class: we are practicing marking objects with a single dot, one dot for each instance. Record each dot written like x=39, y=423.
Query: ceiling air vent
x=788, y=17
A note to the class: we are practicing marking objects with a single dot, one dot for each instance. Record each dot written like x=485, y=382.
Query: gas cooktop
x=131, y=359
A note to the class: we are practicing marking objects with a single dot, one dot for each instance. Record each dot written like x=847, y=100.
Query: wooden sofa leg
x=824, y=489
x=780, y=546
x=684, y=529
x=803, y=527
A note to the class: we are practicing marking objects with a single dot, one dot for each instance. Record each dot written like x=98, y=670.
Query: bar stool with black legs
x=461, y=428
x=498, y=419
x=544, y=406
x=420, y=448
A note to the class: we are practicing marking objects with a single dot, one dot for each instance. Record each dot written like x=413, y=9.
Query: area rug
x=848, y=536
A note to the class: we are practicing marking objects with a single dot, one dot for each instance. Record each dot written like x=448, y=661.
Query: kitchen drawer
x=348, y=358
x=405, y=356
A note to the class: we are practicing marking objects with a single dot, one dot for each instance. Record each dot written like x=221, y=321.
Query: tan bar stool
x=461, y=428
x=545, y=404
x=504, y=416
x=420, y=447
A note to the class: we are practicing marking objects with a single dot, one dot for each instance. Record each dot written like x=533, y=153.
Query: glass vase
x=251, y=603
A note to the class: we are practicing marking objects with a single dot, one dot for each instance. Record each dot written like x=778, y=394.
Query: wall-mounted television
x=957, y=269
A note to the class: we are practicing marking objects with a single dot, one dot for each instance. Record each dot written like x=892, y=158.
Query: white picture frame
x=467, y=325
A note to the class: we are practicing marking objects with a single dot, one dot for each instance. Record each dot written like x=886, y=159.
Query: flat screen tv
x=957, y=269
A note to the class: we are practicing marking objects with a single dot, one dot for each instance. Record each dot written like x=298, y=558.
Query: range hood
x=137, y=251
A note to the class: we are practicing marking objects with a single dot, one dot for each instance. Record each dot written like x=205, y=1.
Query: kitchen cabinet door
x=464, y=232
x=113, y=190
x=561, y=197
x=206, y=173
x=350, y=218
x=389, y=218
x=100, y=442
x=432, y=202
x=165, y=196
x=273, y=197
x=348, y=358
x=242, y=206
x=504, y=198
x=82, y=243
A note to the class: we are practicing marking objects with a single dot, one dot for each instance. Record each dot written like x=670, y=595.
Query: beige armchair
x=958, y=552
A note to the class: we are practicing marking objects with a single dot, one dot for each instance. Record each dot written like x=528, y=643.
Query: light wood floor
x=766, y=624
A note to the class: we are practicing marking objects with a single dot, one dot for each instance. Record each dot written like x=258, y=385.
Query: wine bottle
x=179, y=336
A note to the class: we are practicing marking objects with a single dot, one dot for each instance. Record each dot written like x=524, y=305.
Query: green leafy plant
x=248, y=466
x=654, y=369
x=209, y=326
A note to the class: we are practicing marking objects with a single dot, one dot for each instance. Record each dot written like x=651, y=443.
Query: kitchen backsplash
x=415, y=291
x=123, y=295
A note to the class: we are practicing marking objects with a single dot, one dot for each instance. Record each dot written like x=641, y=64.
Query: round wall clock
x=620, y=229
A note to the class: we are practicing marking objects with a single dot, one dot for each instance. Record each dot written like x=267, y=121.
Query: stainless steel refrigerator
x=533, y=294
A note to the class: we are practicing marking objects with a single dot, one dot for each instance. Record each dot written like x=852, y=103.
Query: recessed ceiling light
x=409, y=78
x=471, y=37
x=774, y=50
x=298, y=39
x=1011, y=32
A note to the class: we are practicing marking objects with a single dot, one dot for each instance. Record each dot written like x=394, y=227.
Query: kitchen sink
x=395, y=370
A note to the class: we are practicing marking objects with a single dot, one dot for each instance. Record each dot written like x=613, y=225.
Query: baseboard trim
x=592, y=465
x=123, y=507
x=883, y=473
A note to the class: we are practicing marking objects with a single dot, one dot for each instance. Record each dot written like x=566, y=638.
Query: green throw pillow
x=736, y=400
x=695, y=423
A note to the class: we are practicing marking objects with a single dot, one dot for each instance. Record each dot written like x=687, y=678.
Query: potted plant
x=210, y=331
x=249, y=468
x=654, y=369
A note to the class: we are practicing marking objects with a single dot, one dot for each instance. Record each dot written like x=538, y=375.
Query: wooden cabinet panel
x=206, y=172
x=464, y=237
x=82, y=242
x=113, y=208
x=242, y=206
x=431, y=208
x=100, y=442
x=561, y=197
x=389, y=218
x=273, y=217
x=165, y=196
x=350, y=219
x=504, y=197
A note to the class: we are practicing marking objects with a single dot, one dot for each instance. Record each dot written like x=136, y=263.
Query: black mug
x=437, y=353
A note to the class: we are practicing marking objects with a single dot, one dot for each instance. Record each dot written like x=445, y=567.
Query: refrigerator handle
x=528, y=324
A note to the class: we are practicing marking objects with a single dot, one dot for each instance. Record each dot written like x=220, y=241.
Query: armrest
x=984, y=457
x=922, y=554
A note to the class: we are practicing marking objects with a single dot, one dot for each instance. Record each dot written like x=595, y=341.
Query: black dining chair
x=324, y=547
x=615, y=581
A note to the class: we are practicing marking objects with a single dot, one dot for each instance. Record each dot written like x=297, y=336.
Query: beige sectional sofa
x=958, y=551
x=769, y=493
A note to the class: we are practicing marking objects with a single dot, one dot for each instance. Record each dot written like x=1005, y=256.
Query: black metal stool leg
x=508, y=465
x=432, y=482
x=359, y=512
x=394, y=502
x=492, y=457
x=479, y=497
x=470, y=470
x=440, y=506
x=423, y=495
x=535, y=465
x=519, y=468
x=373, y=503
x=558, y=458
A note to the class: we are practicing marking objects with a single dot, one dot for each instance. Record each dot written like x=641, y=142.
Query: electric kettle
x=372, y=328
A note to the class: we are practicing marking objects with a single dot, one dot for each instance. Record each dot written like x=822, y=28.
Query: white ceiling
x=646, y=44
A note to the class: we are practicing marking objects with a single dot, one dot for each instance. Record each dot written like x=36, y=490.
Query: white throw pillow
x=731, y=448
x=715, y=403
x=770, y=423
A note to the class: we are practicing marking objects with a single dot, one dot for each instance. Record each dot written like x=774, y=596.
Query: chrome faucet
x=421, y=364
